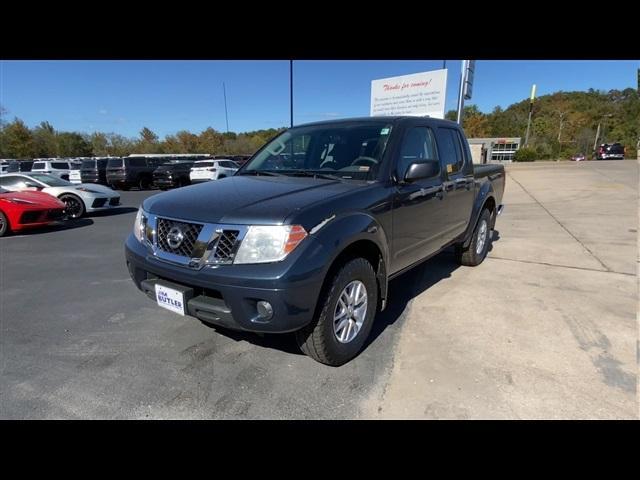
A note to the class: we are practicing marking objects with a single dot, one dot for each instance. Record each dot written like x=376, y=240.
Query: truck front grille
x=187, y=231
x=226, y=246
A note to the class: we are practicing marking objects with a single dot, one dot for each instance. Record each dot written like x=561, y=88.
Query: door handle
x=463, y=181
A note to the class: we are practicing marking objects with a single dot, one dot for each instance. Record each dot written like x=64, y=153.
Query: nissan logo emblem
x=175, y=237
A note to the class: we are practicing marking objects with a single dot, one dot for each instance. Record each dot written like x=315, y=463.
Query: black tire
x=221, y=176
x=144, y=183
x=318, y=339
x=125, y=187
x=471, y=256
x=74, y=205
x=4, y=225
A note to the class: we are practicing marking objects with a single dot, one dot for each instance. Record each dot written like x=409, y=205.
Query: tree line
x=19, y=141
x=563, y=124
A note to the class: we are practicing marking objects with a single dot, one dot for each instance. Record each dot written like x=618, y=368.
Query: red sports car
x=20, y=210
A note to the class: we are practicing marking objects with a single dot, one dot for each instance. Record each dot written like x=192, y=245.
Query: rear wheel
x=477, y=250
x=4, y=225
x=144, y=183
x=344, y=316
x=74, y=206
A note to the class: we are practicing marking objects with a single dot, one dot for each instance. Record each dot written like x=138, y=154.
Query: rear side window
x=10, y=181
x=418, y=144
x=450, y=150
x=203, y=164
x=114, y=163
x=38, y=166
x=137, y=162
x=60, y=165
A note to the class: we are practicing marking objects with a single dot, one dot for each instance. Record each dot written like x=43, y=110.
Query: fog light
x=265, y=310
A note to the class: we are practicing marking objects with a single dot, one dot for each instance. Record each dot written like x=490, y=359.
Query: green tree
x=44, y=141
x=18, y=140
x=71, y=144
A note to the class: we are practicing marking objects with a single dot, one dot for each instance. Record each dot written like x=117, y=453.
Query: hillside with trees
x=563, y=123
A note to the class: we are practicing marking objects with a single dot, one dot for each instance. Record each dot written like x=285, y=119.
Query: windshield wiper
x=312, y=173
x=260, y=172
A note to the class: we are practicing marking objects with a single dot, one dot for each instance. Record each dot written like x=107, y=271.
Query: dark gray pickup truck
x=305, y=237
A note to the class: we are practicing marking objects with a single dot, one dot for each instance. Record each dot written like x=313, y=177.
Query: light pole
x=595, y=142
x=533, y=96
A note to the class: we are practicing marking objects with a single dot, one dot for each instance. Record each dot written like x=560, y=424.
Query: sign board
x=470, y=66
x=416, y=94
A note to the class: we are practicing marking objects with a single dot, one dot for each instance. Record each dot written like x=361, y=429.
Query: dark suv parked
x=95, y=170
x=172, y=174
x=610, y=151
x=124, y=173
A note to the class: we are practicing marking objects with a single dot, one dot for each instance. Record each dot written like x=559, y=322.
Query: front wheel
x=4, y=225
x=344, y=317
x=74, y=206
x=477, y=250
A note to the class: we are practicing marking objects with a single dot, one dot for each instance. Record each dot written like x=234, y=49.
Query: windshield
x=349, y=151
x=88, y=164
x=50, y=180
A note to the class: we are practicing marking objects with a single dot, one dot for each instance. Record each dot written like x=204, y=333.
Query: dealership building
x=494, y=150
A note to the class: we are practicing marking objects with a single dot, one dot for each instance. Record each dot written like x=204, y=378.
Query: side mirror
x=421, y=169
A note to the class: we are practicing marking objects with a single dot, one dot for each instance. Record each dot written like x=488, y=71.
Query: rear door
x=458, y=182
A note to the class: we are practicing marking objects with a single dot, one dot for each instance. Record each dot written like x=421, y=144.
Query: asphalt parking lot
x=546, y=327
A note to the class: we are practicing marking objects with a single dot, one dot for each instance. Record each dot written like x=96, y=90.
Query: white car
x=54, y=166
x=79, y=199
x=205, y=170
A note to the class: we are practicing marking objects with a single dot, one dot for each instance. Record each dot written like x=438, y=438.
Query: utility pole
x=291, y=90
x=226, y=115
x=595, y=142
x=533, y=96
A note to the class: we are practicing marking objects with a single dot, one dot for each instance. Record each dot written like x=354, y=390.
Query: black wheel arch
x=352, y=236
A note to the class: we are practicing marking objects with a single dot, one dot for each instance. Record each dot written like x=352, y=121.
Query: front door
x=417, y=208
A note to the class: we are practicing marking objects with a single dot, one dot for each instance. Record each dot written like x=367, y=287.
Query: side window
x=10, y=181
x=450, y=150
x=137, y=162
x=38, y=166
x=418, y=144
x=60, y=165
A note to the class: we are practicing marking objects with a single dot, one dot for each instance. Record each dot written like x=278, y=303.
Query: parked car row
x=35, y=199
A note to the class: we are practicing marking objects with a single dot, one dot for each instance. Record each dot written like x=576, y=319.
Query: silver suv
x=60, y=168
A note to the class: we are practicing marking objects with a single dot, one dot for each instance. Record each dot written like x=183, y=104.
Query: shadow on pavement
x=113, y=211
x=64, y=225
x=402, y=290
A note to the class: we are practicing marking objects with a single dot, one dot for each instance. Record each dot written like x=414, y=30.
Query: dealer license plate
x=170, y=299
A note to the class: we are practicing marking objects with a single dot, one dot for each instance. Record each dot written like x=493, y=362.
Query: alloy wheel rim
x=350, y=311
x=482, y=237
x=72, y=207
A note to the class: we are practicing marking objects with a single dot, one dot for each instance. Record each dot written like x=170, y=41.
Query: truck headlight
x=140, y=225
x=269, y=243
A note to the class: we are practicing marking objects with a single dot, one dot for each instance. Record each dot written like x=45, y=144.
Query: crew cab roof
x=389, y=119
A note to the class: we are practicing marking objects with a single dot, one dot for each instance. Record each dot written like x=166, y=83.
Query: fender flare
x=345, y=230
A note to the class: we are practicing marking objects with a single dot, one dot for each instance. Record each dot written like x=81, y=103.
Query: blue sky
x=167, y=96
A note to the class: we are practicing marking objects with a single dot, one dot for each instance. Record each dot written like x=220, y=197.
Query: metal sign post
x=466, y=85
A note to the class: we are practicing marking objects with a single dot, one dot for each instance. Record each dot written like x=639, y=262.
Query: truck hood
x=245, y=199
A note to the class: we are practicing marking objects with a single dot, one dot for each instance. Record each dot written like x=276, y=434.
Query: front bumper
x=97, y=204
x=165, y=182
x=227, y=295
